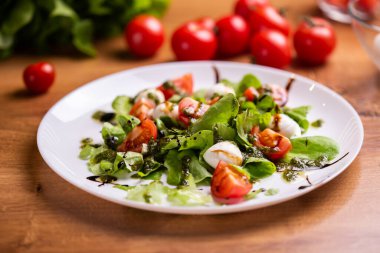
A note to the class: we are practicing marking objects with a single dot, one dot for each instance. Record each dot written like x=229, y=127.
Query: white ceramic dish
x=69, y=121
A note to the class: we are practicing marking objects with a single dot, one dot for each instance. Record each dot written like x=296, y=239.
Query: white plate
x=67, y=122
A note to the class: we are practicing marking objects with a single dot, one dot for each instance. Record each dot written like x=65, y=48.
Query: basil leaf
x=259, y=167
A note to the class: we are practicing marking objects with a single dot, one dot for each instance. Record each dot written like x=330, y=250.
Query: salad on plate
x=212, y=146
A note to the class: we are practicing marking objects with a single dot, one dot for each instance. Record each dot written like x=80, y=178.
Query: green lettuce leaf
x=259, y=167
x=299, y=115
x=122, y=105
x=112, y=135
x=248, y=80
x=313, y=147
x=223, y=132
x=220, y=112
x=246, y=120
x=198, y=140
x=129, y=161
x=127, y=122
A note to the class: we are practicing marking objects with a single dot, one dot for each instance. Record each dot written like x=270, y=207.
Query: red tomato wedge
x=279, y=145
x=189, y=108
x=141, y=108
x=141, y=134
x=182, y=86
x=228, y=185
x=251, y=93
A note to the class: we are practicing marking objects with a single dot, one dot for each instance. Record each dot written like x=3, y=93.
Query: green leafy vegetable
x=317, y=123
x=130, y=161
x=86, y=152
x=38, y=24
x=220, y=112
x=112, y=135
x=122, y=105
x=198, y=140
x=248, y=80
x=127, y=122
x=223, y=132
x=299, y=115
x=265, y=103
x=312, y=148
x=259, y=167
x=150, y=166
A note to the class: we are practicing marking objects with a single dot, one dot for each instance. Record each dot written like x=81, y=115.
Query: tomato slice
x=228, y=185
x=251, y=93
x=181, y=86
x=141, y=108
x=140, y=135
x=278, y=144
x=189, y=109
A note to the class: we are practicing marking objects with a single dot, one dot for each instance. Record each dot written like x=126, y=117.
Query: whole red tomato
x=314, y=40
x=144, y=35
x=194, y=42
x=233, y=35
x=271, y=48
x=39, y=77
x=206, y=22
x=267, y=17
x=244, y=7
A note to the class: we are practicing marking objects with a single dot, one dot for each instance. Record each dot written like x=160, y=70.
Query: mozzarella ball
x=153, y=95
x=285, y=125
x=166, y=109
x=225, y=151
x=218, y=89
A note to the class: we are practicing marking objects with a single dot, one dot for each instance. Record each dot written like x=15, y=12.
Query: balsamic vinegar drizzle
x=289, y=83
x=324, y=166
x=105, y=180
x=217, y=74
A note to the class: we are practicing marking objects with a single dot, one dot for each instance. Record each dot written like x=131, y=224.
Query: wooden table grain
x=40, y=212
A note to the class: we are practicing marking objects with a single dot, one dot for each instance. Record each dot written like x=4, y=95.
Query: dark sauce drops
x=289, y=84
x=217, y=74
x=106, y=179
x=104, y=116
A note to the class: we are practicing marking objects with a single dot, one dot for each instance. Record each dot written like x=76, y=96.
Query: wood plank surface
x=40, y=212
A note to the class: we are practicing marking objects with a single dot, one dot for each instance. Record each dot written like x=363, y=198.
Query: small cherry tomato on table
x=144, y=35
x=206, y=22
x=194, y=42
x=245, y=7
x=228, y=184
x=39, y=77
x=271, y=48
x=233, y=35
x=314, y=40
x=277, y=144
x=181, y=86
x=140, y=135
x=267, y=17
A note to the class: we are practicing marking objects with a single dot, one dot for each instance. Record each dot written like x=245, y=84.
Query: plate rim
x=203, y=210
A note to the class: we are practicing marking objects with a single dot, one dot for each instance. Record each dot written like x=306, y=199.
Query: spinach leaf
x=248, y=80
x=127, y=122
x=259, y=167
x=265, y=103
x=223, y=132
x=130, y=161
x=173, y=163
x=312, y=148
x=112, y=135
x=220, y=112
x=299, y=115
x=198, y=140
x=122, y=105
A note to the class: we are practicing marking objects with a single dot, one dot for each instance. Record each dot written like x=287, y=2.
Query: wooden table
x=40, y=212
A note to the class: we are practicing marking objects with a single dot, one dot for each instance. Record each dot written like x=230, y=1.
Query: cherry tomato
x=233, y=35
x=228, y=184
x=144, y=35
x=367, y=5
x=267, y=17
x=271, y=48
x=39, y=77
x=278, y=144
x=339, y=3
x=181, y=86
x=141, y=108
x=206, y=22
x=194, y=42
x=314, y=40
x=251, y=93
x=140, y=135
x=189, y=109
x=244, y=7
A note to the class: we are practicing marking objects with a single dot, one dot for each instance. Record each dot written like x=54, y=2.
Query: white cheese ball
x=285, y=125
x=166, y=109
x=153, y=95
x=218, y=89
x=225, y=151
